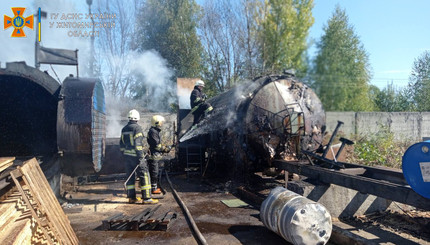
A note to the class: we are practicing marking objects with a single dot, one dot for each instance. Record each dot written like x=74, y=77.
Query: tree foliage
x=114, y=45
x=392, y=99
x=419, y=85
x=169, y=27
x=341, y=68
x=228, y=32
x=285, y=28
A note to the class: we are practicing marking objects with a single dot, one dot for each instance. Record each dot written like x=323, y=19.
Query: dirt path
x=219, y=224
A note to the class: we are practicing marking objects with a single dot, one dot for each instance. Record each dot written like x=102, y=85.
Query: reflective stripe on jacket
x=131, y=142
x=154, y=142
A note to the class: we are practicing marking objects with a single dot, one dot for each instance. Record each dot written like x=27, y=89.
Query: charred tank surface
x=81, y=125
x=272, y=117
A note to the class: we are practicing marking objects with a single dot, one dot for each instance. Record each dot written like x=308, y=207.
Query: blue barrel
x=416, y=167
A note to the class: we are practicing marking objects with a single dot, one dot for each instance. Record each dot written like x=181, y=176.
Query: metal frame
x=381, y=188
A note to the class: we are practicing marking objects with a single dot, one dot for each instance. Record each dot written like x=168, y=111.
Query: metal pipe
x=339, y=123
x=344, y=142
x=198, y=235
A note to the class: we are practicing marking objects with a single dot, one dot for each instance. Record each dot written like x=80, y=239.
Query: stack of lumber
x=6, y=162
x=30, y=212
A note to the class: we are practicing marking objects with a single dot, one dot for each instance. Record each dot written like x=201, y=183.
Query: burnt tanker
x=271, y=117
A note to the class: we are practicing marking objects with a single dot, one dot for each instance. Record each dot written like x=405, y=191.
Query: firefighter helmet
x=157, y=121
x=200, y=83
x=133, y=115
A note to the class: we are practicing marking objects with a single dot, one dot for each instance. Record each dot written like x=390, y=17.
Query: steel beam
x=391, y=191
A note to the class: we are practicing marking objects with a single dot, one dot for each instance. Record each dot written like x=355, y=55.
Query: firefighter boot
x=150, y=201
x=134, y=200
x=154, y=189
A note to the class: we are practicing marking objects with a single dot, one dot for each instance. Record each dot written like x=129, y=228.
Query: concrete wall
x=344, y=202
x=405, y=125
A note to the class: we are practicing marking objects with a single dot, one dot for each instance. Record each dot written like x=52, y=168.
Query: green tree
x=341, y=72
x=419, y=85
x=228, y=30
x=386, y=99
x=170, y=28
x=285, y=28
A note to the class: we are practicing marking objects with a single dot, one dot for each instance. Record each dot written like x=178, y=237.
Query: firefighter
x=131, y=146
x=156, y=150
x=199, y=107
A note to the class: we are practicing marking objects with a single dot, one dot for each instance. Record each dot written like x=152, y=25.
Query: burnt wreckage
x=271, y=117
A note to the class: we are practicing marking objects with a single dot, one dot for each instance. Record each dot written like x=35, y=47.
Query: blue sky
x=393, y=32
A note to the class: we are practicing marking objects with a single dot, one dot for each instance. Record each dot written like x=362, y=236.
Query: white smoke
x=115, y=108
x=184, y=98
x=156, y=77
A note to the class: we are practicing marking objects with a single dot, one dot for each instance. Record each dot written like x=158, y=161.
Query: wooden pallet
x=46, y=223
x=145, y=220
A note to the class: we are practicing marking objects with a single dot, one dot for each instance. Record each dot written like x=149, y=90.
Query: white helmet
x=200, y=83
x=133, y=115
x=157, y=121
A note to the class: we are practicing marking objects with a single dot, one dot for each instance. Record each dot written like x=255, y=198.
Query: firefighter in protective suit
x=199, y=106
x=156, y=150
x=131, y=146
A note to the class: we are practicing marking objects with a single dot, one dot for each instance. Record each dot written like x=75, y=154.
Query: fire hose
x=198, y=235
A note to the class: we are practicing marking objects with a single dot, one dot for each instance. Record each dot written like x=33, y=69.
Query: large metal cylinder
x=296, y=218
x=271, y=117
x=416, y=167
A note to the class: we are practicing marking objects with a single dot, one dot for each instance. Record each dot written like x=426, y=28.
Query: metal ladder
x=194, y=159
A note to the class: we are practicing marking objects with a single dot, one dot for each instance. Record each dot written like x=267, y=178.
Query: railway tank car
x=271, y=117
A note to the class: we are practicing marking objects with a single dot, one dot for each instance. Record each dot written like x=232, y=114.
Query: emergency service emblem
x=18, y=22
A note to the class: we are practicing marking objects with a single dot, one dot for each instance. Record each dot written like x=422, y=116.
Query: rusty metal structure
x=271, y=117
x=81, y=129
x=41, y=117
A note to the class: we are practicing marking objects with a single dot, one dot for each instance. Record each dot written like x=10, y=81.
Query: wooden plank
x=43, y=194
x=64, y=221
x=139, y=216
x=167, y=221
x=41, y=202
x=146, y=217
x=8, y=211
x=6, y=160
x=47, y=202
x=114, y=217
x=18, y=232
x=33, y=212
x=5, y=166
